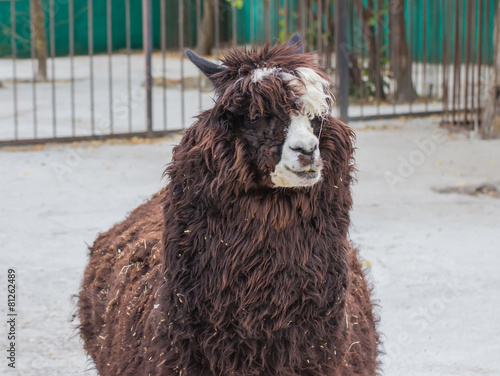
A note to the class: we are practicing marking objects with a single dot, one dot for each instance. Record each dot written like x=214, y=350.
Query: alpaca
x=241, y=265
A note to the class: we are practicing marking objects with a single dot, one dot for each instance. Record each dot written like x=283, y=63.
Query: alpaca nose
x=305, y=149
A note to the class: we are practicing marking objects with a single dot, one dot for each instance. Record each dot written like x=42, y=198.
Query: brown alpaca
x=242, y=264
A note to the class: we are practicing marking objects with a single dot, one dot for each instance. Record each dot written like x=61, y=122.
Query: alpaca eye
x=252, y=119
x=316, y=124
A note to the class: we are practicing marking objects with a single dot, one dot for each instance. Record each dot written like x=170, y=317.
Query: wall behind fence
x=61, y=11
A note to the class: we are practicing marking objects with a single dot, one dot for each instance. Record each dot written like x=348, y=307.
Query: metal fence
x=449, y=45
x=125, y=92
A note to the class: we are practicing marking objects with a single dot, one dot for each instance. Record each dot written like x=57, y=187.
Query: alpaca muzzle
x=300, y=164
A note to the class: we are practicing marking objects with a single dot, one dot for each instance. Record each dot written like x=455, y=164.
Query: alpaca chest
x=259, y=286
x=263, y=314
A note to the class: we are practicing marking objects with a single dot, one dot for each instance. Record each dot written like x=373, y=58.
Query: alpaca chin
x=300, y=164
x=282, y=177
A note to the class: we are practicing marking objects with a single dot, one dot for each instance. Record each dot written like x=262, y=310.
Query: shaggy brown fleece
x=222, y=274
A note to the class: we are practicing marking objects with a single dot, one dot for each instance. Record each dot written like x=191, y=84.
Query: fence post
x=147, y=41
x=342, y=64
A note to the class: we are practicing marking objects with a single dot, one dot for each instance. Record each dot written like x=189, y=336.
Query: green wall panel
x=438, y=18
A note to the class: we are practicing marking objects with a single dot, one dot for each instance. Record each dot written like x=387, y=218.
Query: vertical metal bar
x=385, y=27
x=34, y=67
x=163, y=38
x=444, y=58
x=298, y=17
x=362, y=56
x=468, y=32
x=252, y=22
x=188, y=32
x=198, y=24
x=303, y=16
x=277, y=8
x=310, y=25
x=495, y=53
x=487, y=43
x=327, y=33
x=90, y=19
x=392, y=47
x=474, y=60
x=415, y=47
x=459, y=53
x=13, y=42
x=147, y=41
x=181, y=53
x=129, y=65
x=479, y=59
x=319, y=20
x=424, y=55
x=489, y=34
x=234, y=17
x=462, y=16
x=342, y=63
x=455, y=63
x=294, y=17
x=109, y=25
x=217, y=27
x=72, y=62
x=350, y=31
x=53, y=56
x=268, y=21
x=377, y=38
x=351, y=21
x=447, y=33
x=410, y=58
x=285, y=26
x=333, y=36
x=436, y=67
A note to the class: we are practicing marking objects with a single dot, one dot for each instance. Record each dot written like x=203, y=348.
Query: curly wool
x=221, y=274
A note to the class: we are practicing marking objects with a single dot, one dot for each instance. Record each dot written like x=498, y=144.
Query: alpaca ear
x=296, y=39
x=208, y=68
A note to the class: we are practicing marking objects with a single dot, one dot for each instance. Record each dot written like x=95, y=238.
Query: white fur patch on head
x=316, y=98
x=261, y=73
x=314, y=89
x=300, y=140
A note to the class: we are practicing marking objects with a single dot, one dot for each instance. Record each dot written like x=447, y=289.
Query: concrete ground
x=433, y=257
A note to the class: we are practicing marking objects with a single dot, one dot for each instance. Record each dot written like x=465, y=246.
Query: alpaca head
x=273, y=103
